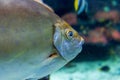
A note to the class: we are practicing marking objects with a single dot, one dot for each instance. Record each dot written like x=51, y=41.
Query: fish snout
x=82, y=40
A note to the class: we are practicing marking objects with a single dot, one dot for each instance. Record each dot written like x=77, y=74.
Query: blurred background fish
x=81, y=7
x=62, y=7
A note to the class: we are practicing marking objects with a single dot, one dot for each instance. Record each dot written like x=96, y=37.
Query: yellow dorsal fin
x=76, y=4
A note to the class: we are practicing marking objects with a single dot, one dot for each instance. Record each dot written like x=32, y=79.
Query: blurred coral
x=71, y=18
x=112, y=15
x=102, y=35
x=96, y=36
x=115, y=35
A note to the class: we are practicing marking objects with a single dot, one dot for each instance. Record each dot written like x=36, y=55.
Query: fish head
x=67, y=41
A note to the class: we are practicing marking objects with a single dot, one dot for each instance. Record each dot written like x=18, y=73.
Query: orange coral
x=96, y=36
x=71, y=18
x=111, y=15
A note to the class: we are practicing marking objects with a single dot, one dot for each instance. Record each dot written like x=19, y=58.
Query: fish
x=63, y=7
x=34, y=41
x=41, y=1
x=80, y=6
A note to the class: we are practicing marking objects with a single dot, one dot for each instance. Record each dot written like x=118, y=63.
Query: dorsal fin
x=41, y=2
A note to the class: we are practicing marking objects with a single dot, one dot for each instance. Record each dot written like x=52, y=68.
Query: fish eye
x=70, y=34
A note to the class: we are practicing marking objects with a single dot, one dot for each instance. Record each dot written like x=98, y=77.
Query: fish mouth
x=82, y=41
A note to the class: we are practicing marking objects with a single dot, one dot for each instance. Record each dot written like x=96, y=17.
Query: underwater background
x=100, y=27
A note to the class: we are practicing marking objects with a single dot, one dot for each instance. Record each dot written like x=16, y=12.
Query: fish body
x=33, y=40
x=80, y=6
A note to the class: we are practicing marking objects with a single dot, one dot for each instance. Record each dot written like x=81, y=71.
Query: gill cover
x=66, y=42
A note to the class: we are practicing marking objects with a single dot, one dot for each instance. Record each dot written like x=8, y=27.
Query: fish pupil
x=70, y=33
